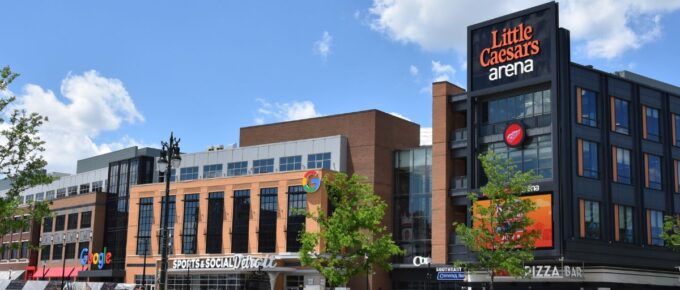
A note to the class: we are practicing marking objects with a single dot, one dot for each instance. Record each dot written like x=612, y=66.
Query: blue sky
x=115, y=73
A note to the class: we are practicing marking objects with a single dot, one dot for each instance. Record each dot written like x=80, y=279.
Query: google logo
x=311, y=181
x=99, y=259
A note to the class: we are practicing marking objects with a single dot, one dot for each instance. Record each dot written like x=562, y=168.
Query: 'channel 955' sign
x=512, y=50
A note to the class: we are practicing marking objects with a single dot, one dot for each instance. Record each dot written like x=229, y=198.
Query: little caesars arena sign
x=235, y=262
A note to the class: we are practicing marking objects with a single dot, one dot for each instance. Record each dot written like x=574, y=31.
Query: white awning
x=10, y=275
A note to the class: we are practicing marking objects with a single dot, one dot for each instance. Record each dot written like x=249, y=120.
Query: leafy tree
x=352, y=239
x=21, y=161
x=671, y=232
x=498, y=233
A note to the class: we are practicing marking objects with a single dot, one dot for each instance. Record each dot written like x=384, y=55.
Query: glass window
x=297, y=205
x=212, y=171
x=57, y=252
x=625, y=221
x=188, y=173
x=171, y=223
x=190, y=224
x=268, y=212
x=61, y=192
x=97, y=186
x=59, y=223
x=651, y=130
x=24, y=250
x=622, y=169
x=29, y=198
x=621, y=116
x=590, y=220
x=84, y=188
x=72, y=221
x=215, y=222
x=72, y=190
x=290, y=163
x=144, y=228
x=676, y=179
x=49, y=195
x=70, y=251
x=655, y=224
x=45, y=252
x=240, y=220
x=39, y=196
x=81, y=246
x=586, y=107
x=320, y=160
x=47, y=225
x=516, y=107
x=237, y=168
x=85, y=219
x=263, y=166
x=676, y=129
x=652, y=171
x=588, y=159
x=536, y=155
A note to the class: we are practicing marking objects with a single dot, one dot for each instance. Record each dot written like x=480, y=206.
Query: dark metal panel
x=623, y=194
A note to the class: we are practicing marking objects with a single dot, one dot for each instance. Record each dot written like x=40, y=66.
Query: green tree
x=352, y=238
x=498, y=233
x=21, y=161
x=671, y=232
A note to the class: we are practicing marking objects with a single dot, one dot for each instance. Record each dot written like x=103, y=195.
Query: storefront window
x=413, y=200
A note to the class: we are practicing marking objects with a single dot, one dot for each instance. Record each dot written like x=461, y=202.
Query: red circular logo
x=514, y=135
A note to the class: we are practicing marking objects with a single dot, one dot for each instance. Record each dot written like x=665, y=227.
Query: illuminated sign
x=419, y=261
x=311, y=181
x=99, y=259
x=234, y=262
x=514, y=134
x=542, y=217
x=511, y=49
x=550, y=271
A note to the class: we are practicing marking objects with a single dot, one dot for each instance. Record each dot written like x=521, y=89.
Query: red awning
x=67, y=272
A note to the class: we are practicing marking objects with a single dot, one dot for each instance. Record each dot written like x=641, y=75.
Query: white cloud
x=442, y=72
x=399, y=116
x=413, y=70
x=93, y=104
x=277, y=112
x=322, y=46
x=425, y=136
x=601, y=28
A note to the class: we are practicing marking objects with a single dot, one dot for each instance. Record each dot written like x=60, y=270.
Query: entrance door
x=258, y=281
x=295, y=282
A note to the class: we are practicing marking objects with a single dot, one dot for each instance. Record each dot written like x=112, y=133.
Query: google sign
x=99, y=259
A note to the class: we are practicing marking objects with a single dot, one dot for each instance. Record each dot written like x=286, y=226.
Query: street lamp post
x=63, y=259
x=146, y=248
x=168, y=159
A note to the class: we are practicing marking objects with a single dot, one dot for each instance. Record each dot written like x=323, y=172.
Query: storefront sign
x=550, y=271
x=235, y=262
x=514, y=134
x=450, y=274
x=99, y=259
x=311, y=181
x=419, y=261
x=512, y=49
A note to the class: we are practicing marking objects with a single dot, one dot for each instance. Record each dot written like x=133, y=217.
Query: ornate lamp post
x=146, y=248
x=169, y=159
x=63, y=259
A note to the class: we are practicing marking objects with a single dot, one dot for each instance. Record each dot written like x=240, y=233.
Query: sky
x=113, y=74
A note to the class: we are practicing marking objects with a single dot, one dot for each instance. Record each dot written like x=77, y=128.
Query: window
x=29, y=198
x=654, y=227
x=290, y=163
x=536, y=155
x=215, y=222
x=57, y=252
x=623, y=218
x=171, y=223
x=587, y=159
x=27, y=223
x=161, y=175
x=81, y=246
x=516, y=107
x=190, y=229
x=240, y=220
x=676, y=175
x=15, y=252
x=652, y=171
x=59, y=223
x=47, y=225
x=320, y=160
x=72, y=221
x=675, y=130
x=5, y=251
x=84, y=188
x=72, y=190
x=586, y=107
x=188, y=173
x=24, y=250
x=621, y=168
x=39, y=196
x=61, y=192
x=267, y=229
x=297, y=204
x=212, y=171
x=650, y=124
x=590, y=219
x=237, y=168
x=70, y=251
x=97, y=186
x=45, y=252
x=620, y=116
x=85, y=219
x=144, y=228
x=263, y=166
x=49, y=195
